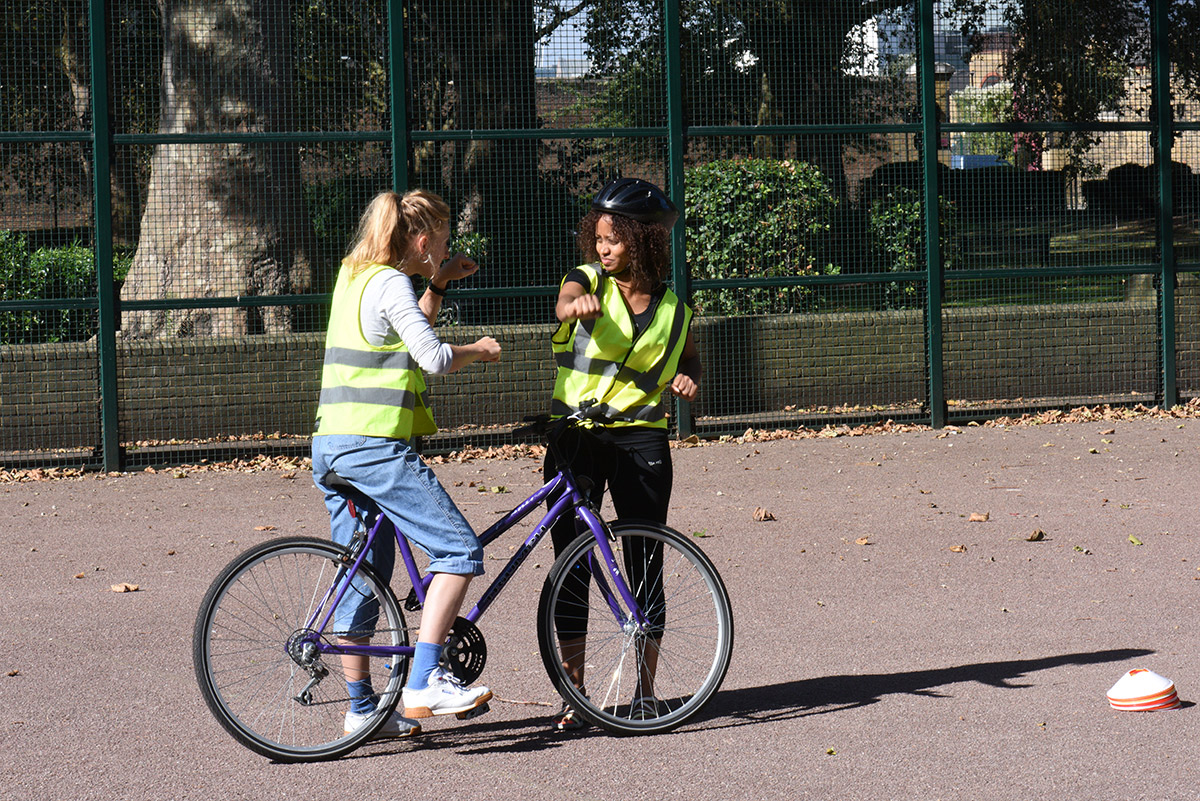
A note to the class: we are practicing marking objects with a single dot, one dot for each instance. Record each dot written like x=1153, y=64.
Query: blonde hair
x=391, y=222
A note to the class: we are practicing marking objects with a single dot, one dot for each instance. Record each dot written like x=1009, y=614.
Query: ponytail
x=389, y=225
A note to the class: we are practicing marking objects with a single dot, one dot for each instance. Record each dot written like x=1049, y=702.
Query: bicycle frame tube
x=517, y=514
x=342, y=581
x=568, y=500
x=571, y=498
x=421, y=584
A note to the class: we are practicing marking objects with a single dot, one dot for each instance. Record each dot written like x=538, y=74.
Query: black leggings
x=635, y=465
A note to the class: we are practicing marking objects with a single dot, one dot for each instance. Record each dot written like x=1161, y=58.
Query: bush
x=1130, y=191
x=990, y=104
x=988, y=194
x=757, y=218
x=896, y=229
x=58, y=273
x=907, y=174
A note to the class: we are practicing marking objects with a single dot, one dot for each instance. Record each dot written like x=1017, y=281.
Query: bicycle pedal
x=482, y=709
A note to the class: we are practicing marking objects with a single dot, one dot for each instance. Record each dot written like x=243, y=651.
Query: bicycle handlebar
x=545, y=426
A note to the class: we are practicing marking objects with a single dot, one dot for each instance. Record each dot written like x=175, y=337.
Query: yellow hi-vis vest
x=602, y=360
x=368, y=390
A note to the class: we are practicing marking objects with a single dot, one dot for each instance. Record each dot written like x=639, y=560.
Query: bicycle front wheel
x=640, y=678
x=262, y=666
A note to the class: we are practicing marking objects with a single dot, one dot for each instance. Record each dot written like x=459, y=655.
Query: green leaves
x=896, y=231
x=42, y=274
x=758, y=218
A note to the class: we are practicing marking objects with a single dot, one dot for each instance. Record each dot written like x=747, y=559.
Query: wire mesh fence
x=931, y=210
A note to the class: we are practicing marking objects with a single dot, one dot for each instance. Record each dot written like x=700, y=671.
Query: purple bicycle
x=643, y=600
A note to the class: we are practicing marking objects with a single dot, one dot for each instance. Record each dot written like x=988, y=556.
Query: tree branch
x=558, y=19
x=874, y=7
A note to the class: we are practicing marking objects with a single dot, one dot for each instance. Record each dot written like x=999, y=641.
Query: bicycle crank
x=465, y=652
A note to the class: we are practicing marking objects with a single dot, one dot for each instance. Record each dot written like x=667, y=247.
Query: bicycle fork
x=635, y=622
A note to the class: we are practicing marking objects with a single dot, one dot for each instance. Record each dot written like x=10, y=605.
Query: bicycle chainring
x=465, y=653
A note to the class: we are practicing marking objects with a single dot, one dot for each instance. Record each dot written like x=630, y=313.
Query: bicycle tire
x=693, y=649
x=254, y=609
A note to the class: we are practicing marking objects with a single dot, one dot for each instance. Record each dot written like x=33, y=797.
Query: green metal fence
x=924, y=210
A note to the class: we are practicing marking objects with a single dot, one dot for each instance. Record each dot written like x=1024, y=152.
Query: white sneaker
x=397, y=725
x=445, y=695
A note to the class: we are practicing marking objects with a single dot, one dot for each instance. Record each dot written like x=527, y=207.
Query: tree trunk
x=222, y=220
x=73, y=55
x=488, y=83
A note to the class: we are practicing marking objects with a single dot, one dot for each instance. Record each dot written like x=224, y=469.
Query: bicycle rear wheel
x=262, y=671
x=679, y=659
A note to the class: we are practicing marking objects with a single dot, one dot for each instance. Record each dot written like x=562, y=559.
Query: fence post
x=398, y=84
x=676, y=146
x=106, y=338
x=930, y=133
x=1164, y=133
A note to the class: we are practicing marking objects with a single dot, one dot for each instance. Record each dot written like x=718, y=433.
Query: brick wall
x=1069, y=350
x=199, y=389
x=49, y=397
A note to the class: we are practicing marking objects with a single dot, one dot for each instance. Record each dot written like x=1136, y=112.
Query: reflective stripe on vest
x=368, y=390
x=602, y=360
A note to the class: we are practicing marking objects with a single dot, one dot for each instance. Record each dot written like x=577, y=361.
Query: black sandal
x=568, y=719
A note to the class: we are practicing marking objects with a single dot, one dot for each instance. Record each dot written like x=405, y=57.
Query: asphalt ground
x=887, y=645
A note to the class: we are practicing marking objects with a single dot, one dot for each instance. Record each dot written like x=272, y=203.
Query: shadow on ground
x=755, y=705
x=834, y=693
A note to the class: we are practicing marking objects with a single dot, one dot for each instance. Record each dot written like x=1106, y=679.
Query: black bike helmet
x=637, y=199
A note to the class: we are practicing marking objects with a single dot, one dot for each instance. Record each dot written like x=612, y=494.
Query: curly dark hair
x=647, y=244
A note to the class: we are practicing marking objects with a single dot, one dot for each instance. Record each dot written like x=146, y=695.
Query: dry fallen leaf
x=78, y=575
x=762, y=514
x=1037, y=536
x=14, y=673
x=863, y=541
x=124, y=587
x=978, y=517
x=958, y=548
x=264, y=528
x=1134, y=540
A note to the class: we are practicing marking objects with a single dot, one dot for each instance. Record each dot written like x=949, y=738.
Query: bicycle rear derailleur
x=305, y=653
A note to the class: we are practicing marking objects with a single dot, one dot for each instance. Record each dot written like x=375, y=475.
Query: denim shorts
x=393, y=475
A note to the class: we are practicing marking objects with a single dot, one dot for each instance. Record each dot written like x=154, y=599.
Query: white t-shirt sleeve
x=390, y=314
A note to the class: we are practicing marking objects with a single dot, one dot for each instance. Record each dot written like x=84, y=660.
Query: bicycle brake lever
x=592, y=410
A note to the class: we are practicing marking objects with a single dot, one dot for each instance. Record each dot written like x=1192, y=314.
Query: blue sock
x=362, y=696
x=425, y=661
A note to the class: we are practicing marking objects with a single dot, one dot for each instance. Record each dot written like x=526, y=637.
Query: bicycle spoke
x=254, y=657
x=679, y=651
